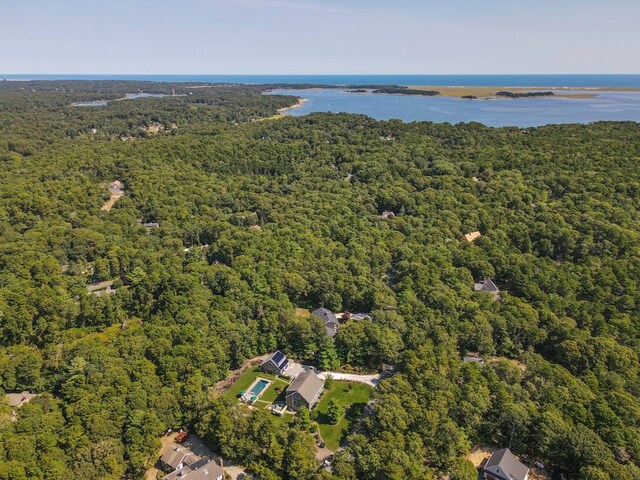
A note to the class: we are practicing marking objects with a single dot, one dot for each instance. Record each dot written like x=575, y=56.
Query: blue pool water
x=260, y=385
x=521, y=112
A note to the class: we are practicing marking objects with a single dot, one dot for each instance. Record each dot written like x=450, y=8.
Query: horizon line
x=327, y=74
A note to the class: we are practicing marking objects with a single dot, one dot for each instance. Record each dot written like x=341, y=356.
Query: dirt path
x=111, y=202
x=223, y=385
x=479, y=456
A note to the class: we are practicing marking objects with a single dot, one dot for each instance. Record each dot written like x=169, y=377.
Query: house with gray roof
x=504, y=465
x=473, y=359
x=329, y=318
x=277, y=363
x=178, y=457
x=304, y=391
x=487, y=286
x=203, y=469
x=16, y=400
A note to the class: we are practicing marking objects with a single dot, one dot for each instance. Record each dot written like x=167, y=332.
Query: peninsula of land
x=492, y=92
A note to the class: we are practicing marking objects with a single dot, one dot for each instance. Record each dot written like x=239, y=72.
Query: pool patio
x=255, y=390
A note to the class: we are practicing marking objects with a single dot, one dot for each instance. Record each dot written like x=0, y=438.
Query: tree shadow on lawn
x=351, y=416
x=282, y=396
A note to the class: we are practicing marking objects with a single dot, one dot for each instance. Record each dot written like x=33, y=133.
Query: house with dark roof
x=504, y=465
x=329, y=318
x=487, y=286
x=277, y=363
x=202, y=469
x=304, y=391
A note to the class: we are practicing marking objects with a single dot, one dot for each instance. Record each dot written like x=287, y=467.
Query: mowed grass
x=353, y=397
x=247, y=378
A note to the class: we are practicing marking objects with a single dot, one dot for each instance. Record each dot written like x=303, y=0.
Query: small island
x=406, y=91
x=524, y=94
x=469, y=97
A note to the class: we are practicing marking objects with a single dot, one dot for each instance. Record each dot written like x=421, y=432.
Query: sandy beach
x=299, y=103
x=490, y=92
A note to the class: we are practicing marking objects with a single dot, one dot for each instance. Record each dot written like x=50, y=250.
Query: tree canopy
x=259, y=217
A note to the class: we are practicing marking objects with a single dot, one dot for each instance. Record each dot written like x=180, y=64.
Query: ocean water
x=620, y=81
x=520, y=112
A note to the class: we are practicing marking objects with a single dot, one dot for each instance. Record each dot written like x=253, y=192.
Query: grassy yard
x=247, y=378
x=353, y=396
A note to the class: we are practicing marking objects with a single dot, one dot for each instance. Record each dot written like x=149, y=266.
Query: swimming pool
x=258, y=387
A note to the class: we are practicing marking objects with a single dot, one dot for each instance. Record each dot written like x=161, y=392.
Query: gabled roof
x=486, y=285
x=19, y=399
x=508, y=463
x=325, y=315
x=203, y=469
x=307, y=384
x=473, y=359
x=471, y=236
x=278, y=358
x=175, y=456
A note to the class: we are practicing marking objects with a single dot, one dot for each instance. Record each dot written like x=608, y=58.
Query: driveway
x=371, y=380
x=236, y=472
x=297, y=368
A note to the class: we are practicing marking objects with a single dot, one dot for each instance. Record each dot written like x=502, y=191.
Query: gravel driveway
x=371, y=380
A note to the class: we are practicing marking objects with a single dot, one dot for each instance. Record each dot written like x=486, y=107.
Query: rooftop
x=508, y=463
x=307, y=384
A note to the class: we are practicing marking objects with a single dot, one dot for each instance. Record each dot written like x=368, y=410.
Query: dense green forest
x=257, y=218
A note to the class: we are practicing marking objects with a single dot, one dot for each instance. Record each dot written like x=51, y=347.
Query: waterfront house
x=329, y=318
x=504, y=465
x=277, y=363
x=304, y=391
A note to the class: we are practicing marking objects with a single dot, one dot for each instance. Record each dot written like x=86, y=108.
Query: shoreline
x=298, y=104
x=484, y=93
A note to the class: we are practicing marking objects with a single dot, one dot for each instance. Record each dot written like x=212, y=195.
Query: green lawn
x=353, y=399
x=247, y=378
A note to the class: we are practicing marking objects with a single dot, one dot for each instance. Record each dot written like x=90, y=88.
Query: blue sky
x=319, y=36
